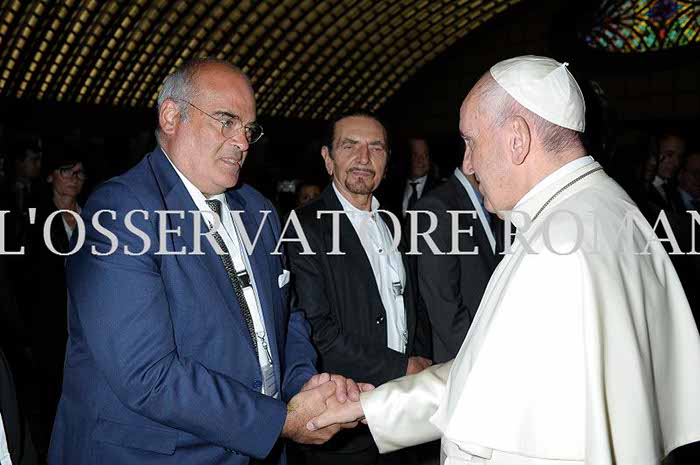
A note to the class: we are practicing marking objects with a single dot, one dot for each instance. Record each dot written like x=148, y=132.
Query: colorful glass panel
x=643, y=25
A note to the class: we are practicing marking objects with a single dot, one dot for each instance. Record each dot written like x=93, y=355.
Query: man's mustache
x=364, y=170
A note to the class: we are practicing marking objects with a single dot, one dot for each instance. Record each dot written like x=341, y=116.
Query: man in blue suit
x=186, y=358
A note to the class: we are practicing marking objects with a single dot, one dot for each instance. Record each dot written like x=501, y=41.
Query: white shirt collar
x=349, y=207
x=421, y=180
x=658, y=181
x=200, y=200
x=555, y=177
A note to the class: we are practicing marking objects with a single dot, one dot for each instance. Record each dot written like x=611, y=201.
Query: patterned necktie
x=215, y=205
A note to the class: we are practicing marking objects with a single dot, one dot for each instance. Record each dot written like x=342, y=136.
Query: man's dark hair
x=329, y=133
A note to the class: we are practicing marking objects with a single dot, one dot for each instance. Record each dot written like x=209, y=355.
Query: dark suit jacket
x=451, y=286
x=160, y=368
x=339, y=296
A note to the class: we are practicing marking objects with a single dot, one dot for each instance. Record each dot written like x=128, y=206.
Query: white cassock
x=579, y=358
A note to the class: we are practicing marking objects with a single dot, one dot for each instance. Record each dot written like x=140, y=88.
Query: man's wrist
x=289, y=422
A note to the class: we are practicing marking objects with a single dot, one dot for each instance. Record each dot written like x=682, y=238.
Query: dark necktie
x=235, y=279
x=414, y=195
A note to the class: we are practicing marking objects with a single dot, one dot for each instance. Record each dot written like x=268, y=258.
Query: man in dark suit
x=671, y=150
x=185, y=358
x=419, y=181
x=361, y=303
x=452, y=283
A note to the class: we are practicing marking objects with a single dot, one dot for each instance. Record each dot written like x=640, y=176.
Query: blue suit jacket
x=160, y=368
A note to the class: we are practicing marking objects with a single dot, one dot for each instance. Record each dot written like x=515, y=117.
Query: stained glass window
x=643, y=25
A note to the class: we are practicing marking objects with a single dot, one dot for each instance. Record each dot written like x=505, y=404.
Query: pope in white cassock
x=583, y=350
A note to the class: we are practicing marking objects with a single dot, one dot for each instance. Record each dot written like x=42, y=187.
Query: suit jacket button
x=257, y=385
x=380, y=320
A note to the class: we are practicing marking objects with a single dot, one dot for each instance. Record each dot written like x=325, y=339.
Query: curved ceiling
x=306, y=58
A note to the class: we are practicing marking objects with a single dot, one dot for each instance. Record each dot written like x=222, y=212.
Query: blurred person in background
x=671, y=150
x=65, y=177
x=306, y=192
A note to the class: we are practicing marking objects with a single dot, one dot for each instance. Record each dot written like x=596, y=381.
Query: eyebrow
x=226, y=113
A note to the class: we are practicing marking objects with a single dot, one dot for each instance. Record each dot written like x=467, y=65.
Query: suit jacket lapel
x=355, y=258
x=177, y=198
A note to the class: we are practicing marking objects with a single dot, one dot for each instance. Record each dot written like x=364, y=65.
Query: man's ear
x=327, y=159
x=519, y=139
x=169, y=116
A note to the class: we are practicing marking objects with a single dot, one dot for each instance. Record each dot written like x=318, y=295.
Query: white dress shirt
x=388, y=270
x=409, y=190
x=4, y=450
x=236, y=250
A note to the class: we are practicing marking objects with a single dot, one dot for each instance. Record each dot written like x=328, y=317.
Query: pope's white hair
x=498, y=103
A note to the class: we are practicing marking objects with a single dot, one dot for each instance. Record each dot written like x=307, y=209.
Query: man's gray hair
x=180, y=85
x=499, y=103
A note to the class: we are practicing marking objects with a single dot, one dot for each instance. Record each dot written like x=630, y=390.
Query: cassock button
x=257, y=385
x=380, y=320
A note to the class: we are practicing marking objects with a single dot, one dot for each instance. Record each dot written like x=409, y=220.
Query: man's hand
x=305, y=406
x=417, y=364
x=346, y=387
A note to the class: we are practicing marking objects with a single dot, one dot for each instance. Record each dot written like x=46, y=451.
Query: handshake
x=328, y=403
x=325, y=405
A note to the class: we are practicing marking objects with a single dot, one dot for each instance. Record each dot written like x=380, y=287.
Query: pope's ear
x=519, y=139
x=168, y=116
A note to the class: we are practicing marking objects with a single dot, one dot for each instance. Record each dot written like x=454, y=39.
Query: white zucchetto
x=545, y=87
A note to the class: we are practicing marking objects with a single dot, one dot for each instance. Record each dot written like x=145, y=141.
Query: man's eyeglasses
x=230, y=126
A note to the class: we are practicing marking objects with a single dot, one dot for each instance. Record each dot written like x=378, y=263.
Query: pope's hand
x=337, y=414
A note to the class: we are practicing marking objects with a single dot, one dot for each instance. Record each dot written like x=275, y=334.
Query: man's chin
x=359, y=188
x=231, y=181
